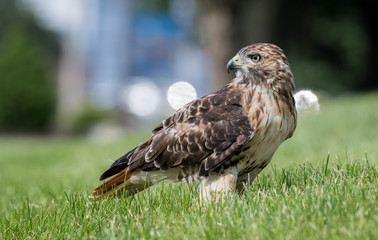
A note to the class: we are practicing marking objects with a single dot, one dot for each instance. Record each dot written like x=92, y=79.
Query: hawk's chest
x=273, y=122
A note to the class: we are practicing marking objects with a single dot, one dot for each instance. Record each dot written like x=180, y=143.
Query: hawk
x=222, y=140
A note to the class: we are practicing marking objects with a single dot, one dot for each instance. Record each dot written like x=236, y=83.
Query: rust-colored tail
x=117, y=184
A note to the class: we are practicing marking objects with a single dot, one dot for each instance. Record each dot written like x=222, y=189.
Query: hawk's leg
x=245, y=179
x=216, y=186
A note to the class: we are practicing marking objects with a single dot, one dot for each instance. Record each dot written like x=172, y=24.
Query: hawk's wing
x=205, y=131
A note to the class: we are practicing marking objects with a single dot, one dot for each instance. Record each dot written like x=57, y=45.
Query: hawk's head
x=262, y=62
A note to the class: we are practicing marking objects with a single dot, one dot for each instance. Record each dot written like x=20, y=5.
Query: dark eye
x=255, y=57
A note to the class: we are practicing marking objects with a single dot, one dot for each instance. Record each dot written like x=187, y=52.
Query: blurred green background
x=62, y=64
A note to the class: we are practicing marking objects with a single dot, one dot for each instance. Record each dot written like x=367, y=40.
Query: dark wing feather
x=120, y=164
x=205, y=131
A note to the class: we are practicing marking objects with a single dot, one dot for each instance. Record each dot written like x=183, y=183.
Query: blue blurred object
x=126, y=44
x=108, y=46
x=154, y=39
x=156, y=25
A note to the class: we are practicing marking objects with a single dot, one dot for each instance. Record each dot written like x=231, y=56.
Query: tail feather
x=117, y=184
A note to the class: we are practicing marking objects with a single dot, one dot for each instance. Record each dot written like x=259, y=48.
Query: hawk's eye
x=255, y=57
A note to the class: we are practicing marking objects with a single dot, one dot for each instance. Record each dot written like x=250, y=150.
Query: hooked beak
x=233, y=63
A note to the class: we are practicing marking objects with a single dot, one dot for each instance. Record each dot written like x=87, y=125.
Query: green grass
x=322, y=184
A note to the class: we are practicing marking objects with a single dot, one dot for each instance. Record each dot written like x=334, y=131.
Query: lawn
x=321, y=184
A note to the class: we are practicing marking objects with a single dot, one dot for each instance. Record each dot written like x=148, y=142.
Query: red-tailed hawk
x=223, y=139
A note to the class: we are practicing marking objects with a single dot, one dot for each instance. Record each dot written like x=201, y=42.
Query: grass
x=322, y=184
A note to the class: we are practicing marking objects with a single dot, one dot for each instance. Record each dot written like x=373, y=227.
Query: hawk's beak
x=233, y=63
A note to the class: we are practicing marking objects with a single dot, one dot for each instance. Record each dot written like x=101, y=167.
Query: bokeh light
x=180, y=93
x=142, y=98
